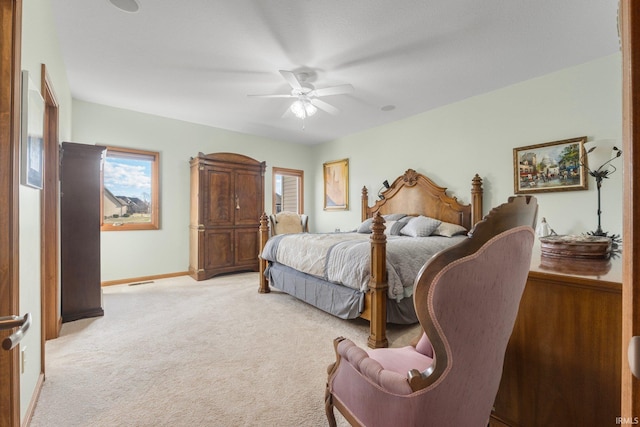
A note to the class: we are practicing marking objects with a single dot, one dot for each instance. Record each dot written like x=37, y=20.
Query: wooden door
x=630, y=35
x=10, y=45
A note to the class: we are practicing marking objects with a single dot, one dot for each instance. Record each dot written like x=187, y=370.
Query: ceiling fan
x=307, y=96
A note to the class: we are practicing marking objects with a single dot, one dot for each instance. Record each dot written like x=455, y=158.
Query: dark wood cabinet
x=80, y=175
x=563, y=362
x=227, y=199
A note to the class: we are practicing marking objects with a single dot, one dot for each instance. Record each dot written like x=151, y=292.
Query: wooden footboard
x=412, y=194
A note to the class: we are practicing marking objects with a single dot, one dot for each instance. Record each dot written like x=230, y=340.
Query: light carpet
x=177, y=352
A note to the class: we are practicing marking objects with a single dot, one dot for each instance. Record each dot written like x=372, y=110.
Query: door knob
x=633, y=354
x=10, y=322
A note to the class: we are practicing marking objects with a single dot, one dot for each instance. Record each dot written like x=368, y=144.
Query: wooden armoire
x=80, y=290
x=227, y=199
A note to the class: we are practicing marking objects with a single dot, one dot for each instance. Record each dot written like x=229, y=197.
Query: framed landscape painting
x=336, y=185
x=552, y=166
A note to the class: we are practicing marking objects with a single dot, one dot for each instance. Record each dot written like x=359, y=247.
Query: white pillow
x=420, y=226
x=448, y=229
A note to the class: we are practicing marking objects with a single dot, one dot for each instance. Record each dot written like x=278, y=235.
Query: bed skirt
x=338, y=300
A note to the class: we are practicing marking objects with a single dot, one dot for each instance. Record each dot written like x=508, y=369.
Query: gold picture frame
x=336, y=185
x=552, y=166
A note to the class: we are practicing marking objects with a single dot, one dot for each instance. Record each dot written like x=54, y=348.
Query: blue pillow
x=393, y=217
x=365, y=227
x=393, y=228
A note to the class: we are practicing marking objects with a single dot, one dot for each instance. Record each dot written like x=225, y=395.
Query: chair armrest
x=371, y=369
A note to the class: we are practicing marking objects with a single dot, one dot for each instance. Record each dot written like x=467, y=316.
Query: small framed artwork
x=336, y=185
x=552, y=166
x=31, y=134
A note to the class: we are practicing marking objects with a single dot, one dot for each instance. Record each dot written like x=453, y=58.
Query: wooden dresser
x=80, y=178
x=562, y=365
x=227, y=199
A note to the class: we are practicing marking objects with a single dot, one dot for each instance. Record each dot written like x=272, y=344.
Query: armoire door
x=218, y=248
x=246, y=246
x=218, y=197
x=248, y=197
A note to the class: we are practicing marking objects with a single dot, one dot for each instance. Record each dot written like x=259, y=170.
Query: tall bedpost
x=476, y=199
x=263, y=232
x=378, y=285
x=365, y=203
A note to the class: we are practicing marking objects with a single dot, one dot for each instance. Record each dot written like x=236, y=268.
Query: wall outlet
x=23, y=359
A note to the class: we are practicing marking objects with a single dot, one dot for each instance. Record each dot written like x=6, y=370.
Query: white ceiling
x=197, y=60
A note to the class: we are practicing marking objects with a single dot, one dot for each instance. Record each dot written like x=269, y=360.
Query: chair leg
x=328, y=398
x=328, y=407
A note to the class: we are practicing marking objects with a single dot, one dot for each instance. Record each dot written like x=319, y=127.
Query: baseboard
x=34, y=400
x=144, y=278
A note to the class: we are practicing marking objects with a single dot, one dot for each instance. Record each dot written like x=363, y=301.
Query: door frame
x=49, y=217
x=629, y=14
x=10, y=64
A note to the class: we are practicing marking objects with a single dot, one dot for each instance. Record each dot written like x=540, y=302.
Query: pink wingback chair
x=467, y=299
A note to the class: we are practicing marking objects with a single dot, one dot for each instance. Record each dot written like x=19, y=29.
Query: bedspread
x=344, y=258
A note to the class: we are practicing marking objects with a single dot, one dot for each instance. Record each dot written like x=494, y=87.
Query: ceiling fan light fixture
x=302, y=108
x=307, y=97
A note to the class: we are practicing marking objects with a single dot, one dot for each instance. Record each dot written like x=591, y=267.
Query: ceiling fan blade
x=276, y=95
x=291, y=79
x=333, y=90
x=324, y=106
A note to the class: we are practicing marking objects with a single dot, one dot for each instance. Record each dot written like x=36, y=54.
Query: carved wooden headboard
x=415, y=194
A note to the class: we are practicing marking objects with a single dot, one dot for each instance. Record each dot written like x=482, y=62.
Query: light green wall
x=39, y=46
x=477, y=135
x=450, y=144
x=131, y=254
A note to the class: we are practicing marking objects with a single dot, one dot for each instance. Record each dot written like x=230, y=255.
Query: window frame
x=155, y=191
x=288, y=172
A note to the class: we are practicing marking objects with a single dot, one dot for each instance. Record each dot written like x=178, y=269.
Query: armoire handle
x=237, y=202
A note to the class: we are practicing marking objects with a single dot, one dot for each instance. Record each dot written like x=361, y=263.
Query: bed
x=370, y=273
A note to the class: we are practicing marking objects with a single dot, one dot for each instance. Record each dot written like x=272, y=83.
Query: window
x=130, y=190
x=288, y=187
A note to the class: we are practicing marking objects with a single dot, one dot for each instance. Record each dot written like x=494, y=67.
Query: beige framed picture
x=336, y=185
